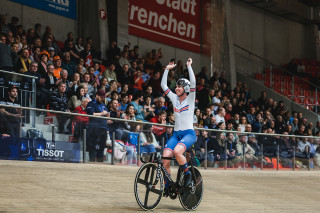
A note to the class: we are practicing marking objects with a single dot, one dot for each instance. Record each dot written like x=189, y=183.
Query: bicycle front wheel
x=147, y=190
x=190, y=197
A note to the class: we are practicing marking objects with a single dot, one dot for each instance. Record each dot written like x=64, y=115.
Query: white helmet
x=184, y=83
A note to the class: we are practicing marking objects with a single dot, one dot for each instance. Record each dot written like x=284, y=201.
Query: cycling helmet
x=184, y=83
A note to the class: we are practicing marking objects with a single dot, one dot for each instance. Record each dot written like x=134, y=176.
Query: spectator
x=155, y=83
x=150, y=108
x=149, y=141
x=220, y=115
x=243, y=123
x=50, y=79
x=138, y=82
x=59, y=102
x=203, y=139
x=245, y=150
x=8, y=57
x=74, y=83
x=113, y=52
x=91, y=90
x=251, y=115
x=137, y=100
x=216, y=100
x=68, y=64
x=124, y=102
x=42, y=65
x=40, y=84
x=12, y=115
x=94, y=80
x=78, y=46
x=114, y=113
x=76, y=99
x=316, y=128
x=80, y=122
x=124, y=59
x=97, y=131
x=124, y=129
x=257, y=124
x=160, y=106
x=23, y=61
x=166, y=136
x=248, y=128
x=57, y=66
x=69, y=47
x=110, y=73
x=280, y=125
x=161, y=119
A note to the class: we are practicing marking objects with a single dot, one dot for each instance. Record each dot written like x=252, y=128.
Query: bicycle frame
x=155, y=157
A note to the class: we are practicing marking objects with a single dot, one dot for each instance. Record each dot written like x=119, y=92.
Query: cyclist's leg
x=168, y=152
x=185, y=143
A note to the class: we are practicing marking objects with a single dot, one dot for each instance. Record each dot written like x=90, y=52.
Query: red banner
x=171, y=22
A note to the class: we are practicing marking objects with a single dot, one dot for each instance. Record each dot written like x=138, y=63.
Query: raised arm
x=164, y=85
x=191, y=74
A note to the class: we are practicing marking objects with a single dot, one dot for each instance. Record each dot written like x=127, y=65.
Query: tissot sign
x=172, y=22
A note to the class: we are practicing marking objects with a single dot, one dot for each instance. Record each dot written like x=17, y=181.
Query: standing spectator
x=80, y=122
x=8, y=57
x=97, y=131
x=12, y=115
x=78, y=45
x=217, y=100
x=123, y=75
x=71, y=50
x=257, y=124
x=113, y=52
x=59, y=102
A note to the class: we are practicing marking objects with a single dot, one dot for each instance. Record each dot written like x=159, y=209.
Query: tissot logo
x=50, y=153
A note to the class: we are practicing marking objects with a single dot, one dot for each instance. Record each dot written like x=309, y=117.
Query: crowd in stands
x=73, y=78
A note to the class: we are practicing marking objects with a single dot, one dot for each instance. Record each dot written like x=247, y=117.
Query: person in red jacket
x=80, y=122
x=160, y=119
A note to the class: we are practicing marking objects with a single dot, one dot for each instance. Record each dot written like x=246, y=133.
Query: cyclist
x=184, y=135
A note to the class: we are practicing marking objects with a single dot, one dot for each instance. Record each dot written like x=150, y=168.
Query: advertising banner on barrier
x=172, y=22
x=67, y=8
x=39, y=149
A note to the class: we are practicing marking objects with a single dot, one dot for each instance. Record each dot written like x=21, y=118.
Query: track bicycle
x=149, y=183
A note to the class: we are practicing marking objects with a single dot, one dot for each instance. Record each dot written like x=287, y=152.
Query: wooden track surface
x=63, y=187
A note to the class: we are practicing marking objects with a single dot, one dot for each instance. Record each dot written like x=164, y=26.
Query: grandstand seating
x=297, y=89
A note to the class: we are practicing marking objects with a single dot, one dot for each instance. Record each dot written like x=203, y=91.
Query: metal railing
x=257, y=161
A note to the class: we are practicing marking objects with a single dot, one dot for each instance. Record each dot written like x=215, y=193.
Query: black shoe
x=187, y=179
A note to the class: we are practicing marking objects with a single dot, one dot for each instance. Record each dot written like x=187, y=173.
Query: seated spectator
x=76, y=99
x=217, y=100
x=138, y=82
x=74, y=83
x=80, y=122
x=124, y=59
x=94, y=79
x=68, y=64
x=124, y=102
x=149, y=142
x=243, y=123
x=251, y=115
x=42, y=65
x=170, y=118
x=230, y=154
x=150, y=108
x=257, y=124
x=228, y=115
x=78, y=45
x=59, y=102
x=69, y=47
x=166, y=136
x=161, y=119
x=91, y=90
x=160, y=106
x=245, y=150
x=23, y=62
x=155, y=82
x=110, y=74
x=40, y=84
x=124, y=129
x=57, y=66
x=136, y=102
x=220, y=115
